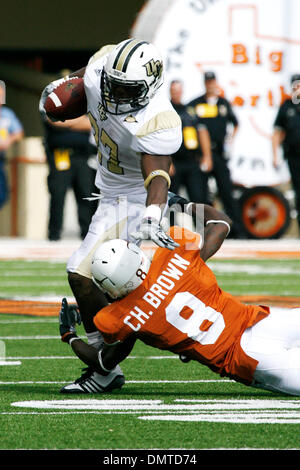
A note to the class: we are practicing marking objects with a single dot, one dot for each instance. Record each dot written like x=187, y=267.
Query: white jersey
x=121, y=139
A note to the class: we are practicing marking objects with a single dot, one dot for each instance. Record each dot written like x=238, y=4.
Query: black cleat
x=93, y=382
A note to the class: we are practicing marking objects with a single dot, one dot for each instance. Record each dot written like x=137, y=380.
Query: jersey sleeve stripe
x=101, y=52
x=163, y=120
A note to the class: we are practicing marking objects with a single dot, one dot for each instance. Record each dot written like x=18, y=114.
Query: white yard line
x=38, y=358
x=32, y=273
x=41, y=298
x=28, y=283
x=21, y=338
x=47, y=382
x=10, y=363
x=29, y=320
x=252, y=269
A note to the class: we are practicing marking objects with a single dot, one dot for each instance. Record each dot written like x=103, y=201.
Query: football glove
x=45, y=93
x=150, y=229
x=68, y=317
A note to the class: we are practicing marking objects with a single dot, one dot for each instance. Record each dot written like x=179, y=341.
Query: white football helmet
x=132, y=74
x=118, y=267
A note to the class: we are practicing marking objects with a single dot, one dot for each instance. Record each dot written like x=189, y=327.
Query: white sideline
x=75, y=357
x=18, y=248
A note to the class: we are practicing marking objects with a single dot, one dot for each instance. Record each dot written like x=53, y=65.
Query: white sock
x=95, y=339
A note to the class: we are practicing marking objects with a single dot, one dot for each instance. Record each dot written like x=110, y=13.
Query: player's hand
x=150, y=229
x=68, y=317
x=45, y=93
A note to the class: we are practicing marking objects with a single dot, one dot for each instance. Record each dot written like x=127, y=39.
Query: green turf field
x=164, y=404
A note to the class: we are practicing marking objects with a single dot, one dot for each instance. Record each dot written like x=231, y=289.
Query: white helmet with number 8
x=118, y=267
x=132, y=74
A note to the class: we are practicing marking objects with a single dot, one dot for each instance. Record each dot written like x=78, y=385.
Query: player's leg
x=114, y=218
x=88, y=297
x=275, y=343
x=90, y=300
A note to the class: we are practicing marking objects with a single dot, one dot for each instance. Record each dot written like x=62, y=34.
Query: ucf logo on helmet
x=154, y=68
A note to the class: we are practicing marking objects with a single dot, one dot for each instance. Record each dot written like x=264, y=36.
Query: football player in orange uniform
x=175, y=304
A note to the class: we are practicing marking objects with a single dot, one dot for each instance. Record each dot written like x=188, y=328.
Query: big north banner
x=252, y=46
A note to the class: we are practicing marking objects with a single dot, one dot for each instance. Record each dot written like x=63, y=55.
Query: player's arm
x=155, y=170
x=11, y=139
x=206, y=162
x=103, y=361
x=278, y=134
x=110, y=356
x=215, y=224
x=157, y=186
x=277, y=138
x=80, y=124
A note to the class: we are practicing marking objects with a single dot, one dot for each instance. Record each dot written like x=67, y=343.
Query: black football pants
x=189, y=175
x=294, y=167
x=80, y=178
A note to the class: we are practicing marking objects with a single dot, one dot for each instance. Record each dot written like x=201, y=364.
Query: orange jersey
x=180, y=307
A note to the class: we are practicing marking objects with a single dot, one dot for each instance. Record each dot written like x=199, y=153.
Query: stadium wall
x=26, y=212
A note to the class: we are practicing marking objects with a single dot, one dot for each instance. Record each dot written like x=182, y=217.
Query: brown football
x=67, y=101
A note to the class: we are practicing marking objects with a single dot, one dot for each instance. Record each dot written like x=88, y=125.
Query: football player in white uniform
x=136, y=130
